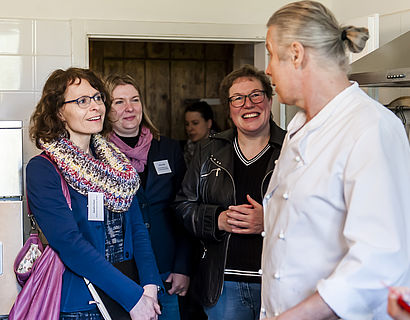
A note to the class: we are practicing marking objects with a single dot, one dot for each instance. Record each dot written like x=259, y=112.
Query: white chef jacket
x=337, y=210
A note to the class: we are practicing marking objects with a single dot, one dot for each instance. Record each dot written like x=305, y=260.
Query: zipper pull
x=217, y=172
x=204, y=253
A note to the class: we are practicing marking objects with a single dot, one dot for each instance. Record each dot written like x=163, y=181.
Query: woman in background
x=199, y=124
x=69, y=124
x=160, y=164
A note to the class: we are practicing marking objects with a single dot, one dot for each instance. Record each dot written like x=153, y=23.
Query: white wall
x=211, y=11
x=348, y=9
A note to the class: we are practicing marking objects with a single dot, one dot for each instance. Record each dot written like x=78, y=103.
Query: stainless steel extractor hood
x=387, y=66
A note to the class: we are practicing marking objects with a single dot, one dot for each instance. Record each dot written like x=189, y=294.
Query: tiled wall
x=29, y=51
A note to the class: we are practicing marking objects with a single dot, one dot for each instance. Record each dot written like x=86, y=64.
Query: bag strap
x=64, y=185
x=64, y=188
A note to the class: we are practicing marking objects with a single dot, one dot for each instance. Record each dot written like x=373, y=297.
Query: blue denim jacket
x=80, y=243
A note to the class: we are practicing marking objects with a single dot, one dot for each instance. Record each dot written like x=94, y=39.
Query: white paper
x=95, y=206
x=162, y=167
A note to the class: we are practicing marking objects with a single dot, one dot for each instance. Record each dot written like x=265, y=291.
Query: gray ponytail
x=355, y=38
x=315, y=26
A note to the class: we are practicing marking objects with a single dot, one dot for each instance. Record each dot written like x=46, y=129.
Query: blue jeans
x=170, y=307
x=81, y=315
x=238, y=301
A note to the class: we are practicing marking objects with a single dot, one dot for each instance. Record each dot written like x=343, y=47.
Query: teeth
x=95, y=118
x=250, y=115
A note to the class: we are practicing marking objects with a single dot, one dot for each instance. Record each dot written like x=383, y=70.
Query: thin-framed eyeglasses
x=84, y=101
x=238, y=101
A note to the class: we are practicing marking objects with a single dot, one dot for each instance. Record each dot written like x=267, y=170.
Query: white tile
x=16, y=36
x=52, y=37
x=17, y=106
x=45, y=65
x=16, y=73
x=29, y=148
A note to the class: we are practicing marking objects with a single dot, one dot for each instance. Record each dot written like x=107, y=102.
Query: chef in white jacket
x=337, y=210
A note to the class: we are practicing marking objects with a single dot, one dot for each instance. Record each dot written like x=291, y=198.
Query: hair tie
x=344, y=37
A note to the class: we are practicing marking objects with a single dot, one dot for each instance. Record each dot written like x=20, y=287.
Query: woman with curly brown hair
x=103, y=229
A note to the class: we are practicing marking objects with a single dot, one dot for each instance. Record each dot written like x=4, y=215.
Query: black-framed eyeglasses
x=84, y=101
x=238, y=101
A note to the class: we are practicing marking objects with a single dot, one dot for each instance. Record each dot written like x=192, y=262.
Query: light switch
x=1, y=258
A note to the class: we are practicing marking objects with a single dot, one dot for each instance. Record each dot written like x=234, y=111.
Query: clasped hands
x=242, y=219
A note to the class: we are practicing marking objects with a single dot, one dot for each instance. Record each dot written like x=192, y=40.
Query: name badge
x=162, y=167
x=95, y=206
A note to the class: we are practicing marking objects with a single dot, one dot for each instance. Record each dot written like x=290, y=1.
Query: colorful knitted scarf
x=110, y=172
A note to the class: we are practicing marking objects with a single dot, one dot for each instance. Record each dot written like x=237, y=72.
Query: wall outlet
x=1, y=258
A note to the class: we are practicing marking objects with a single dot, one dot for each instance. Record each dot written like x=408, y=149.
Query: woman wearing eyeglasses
x=220, y=198
x=68, y=125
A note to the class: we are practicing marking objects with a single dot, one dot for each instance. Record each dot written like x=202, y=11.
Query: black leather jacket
x=208, y=189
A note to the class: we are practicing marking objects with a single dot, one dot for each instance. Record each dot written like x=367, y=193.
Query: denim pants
x=238, y=301
x=81, y=315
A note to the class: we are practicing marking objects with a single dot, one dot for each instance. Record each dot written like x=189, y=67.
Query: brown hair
x=45, y=123
x=315, y=26
x=115, y=80
x=246, y=71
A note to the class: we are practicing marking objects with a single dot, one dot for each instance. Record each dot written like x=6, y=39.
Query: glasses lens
x=237, y=101
x=257, y=97
x=99, y=98
x=84, y=102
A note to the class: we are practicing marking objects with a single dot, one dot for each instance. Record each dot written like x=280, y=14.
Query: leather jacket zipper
x=210, y=172
x=213, y=160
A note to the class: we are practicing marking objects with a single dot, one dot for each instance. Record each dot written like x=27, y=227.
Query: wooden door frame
x=82, y=30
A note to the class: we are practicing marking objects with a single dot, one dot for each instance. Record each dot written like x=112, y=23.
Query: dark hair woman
x=69, y=125
x=199, y=124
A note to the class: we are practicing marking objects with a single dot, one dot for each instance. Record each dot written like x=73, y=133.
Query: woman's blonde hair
x=115, y=80
x=314, y=26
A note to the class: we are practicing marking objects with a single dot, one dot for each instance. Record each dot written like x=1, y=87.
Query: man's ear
x=297, y=54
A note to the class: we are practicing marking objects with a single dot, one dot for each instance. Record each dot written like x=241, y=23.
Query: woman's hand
x=151, y=290
x=246, y=218
x=179, y=282
x=393, y=307
x=146, y=308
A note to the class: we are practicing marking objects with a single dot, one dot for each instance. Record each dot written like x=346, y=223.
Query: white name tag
x=162, y=167
x=95, y=206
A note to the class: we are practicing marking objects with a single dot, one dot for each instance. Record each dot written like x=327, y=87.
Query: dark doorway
x=171, y=74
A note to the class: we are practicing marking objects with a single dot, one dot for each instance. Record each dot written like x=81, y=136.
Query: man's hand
x=393, y=307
